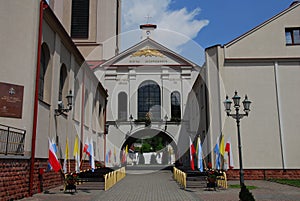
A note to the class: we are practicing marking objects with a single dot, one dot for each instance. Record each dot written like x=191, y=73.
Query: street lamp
x=130, y=119
x=237, y=116
x=166, y=121
x=61, y=109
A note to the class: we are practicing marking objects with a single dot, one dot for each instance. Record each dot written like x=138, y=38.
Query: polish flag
x=86, y=146
x=228, y=149
x=192, y=152
x=53, y=160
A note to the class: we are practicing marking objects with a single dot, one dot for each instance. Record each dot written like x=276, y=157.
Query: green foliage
x=146, y=147
x=238, y=186
x=245, y=194
x=292, y=182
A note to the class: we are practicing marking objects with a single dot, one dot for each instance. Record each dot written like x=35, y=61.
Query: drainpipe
x=105, y=131
x=281, y=133
x=82, y=114
x=43, y=6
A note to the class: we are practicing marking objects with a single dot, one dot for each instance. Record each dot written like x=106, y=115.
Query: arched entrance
x=149, y=148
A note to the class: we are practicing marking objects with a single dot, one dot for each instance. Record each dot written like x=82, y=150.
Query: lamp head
x=227, y=105
x=236, y=100
x=246, y=104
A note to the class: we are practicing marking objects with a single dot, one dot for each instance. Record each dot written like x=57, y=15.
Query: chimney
x=147, y=30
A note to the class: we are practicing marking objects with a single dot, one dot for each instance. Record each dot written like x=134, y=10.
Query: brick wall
x=14, y=177
x=264, y=174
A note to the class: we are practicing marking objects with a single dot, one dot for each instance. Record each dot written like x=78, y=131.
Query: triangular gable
x=265, y=23
x=148, y=52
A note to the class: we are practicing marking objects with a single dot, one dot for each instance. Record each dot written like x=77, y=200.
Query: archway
x=149, y=148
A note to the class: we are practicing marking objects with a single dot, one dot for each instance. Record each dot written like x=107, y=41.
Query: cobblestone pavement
x=160, y=186
x=156, y=186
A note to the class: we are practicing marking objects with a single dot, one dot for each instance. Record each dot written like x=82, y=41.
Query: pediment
x=148, y=52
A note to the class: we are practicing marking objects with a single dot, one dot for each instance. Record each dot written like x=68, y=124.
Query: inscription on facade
x=11, y=100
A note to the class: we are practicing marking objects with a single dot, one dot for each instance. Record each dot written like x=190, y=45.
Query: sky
x=185, y=25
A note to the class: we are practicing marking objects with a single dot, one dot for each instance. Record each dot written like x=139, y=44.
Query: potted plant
x=70, y=181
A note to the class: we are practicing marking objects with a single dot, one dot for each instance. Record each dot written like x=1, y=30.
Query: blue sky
x=204, y=22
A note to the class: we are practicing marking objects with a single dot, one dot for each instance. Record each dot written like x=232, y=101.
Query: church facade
x=149, y=83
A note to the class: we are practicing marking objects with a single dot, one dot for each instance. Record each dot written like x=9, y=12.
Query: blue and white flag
x=199, y=155
x=217, y=154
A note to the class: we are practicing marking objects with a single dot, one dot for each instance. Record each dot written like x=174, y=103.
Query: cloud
x=176, y=27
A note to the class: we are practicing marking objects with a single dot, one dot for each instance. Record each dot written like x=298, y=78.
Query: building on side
x=40, y=66
x=263, y=63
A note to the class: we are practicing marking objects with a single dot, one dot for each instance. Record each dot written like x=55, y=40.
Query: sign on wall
x=11, y=100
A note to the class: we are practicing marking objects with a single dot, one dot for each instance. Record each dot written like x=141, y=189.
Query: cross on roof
x=148, y=17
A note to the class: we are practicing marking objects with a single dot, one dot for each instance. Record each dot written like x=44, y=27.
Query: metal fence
x=11, y=140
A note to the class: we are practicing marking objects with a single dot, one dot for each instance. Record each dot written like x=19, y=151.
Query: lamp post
x=166, y=121
x=61, y=109
x=130, y=119
x=237, y=116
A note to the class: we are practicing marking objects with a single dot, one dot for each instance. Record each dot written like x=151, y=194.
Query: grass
x=291, y=182
x=238, y=186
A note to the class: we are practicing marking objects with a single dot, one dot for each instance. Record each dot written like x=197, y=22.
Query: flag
x=76, y=154
x=199, y=155
x=123, y=156
x=91, y=154
x=53, y=160
x=66, y=157
x=228, y=149
x=115, y=154
x=86, y=146
x=192, y=152
x=109, y=156
x=222, y=146
x=217, y=154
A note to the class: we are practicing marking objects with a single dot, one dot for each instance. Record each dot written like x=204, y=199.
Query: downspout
x=105, y=131
x=279, y=114
x=82, y=114
x=117, y=28
x=43, y=6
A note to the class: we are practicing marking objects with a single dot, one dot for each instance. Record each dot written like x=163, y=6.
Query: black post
x=240, y=147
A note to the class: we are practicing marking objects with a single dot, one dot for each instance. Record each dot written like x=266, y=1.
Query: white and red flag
x=192, y=152
x=53, y=160
x=228, y=149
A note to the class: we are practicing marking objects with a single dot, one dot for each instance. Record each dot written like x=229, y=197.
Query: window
x=149, y=100
x=62, y=80
x=80, y=19
x=175, y=106
x=292, y=36
x=122, y=106
x=43, y=68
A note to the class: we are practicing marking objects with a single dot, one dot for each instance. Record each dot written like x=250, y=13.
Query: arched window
x=43, y=68
x=122, y=106
x=62, y=82
x=175, y=106
x=149, y=100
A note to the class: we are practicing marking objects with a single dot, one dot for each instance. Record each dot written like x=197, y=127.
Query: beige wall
x=18, y=39
x=18, y=60
x=268, y=39
x=260, y=65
